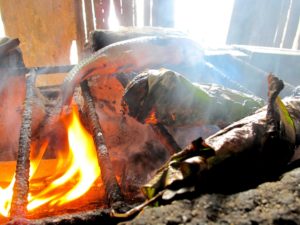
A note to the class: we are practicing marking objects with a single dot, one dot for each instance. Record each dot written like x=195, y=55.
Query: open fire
x=61, y=180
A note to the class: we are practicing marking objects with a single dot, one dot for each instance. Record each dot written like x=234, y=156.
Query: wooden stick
x=112, y=188
x=21, y=187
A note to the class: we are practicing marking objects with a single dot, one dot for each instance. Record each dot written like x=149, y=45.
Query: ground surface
x=275, y=203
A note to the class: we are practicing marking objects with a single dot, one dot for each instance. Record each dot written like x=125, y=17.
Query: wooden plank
x=101, y=8
x=45, y=29
x=97, y=11
x=89, y=16
x=80, y=30
x=50, y=80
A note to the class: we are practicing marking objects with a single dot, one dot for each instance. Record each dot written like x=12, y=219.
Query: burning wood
x=21, y=186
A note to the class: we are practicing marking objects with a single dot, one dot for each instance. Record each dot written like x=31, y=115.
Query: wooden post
x=101, y=13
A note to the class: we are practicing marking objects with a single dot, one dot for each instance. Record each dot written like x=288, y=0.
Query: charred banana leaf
x=163, y=96
x=260, y=145
x=257, y=147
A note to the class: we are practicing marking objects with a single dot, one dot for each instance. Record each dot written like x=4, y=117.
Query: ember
x=151, y=119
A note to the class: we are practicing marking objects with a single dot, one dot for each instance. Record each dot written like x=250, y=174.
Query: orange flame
x=79, y=170
x=151, y=119
x=5, y=198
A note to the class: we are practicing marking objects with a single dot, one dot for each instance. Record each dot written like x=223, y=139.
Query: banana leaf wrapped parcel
x=252, y=149
x=256, y=148
x=176, y=101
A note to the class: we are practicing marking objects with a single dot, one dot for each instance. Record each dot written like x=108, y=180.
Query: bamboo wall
x=273, y=23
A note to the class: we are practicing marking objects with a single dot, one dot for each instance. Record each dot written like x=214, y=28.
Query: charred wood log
x=101, y=38
x=112, y=188
x=21, y=186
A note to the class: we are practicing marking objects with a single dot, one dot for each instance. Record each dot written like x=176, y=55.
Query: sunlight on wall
x=73, y=53
x=2, y=30
x=205, y=20
x=113, y=22
x=140, y=13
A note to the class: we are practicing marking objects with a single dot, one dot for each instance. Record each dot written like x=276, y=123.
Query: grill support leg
x=21, y=186
x=112, y=189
